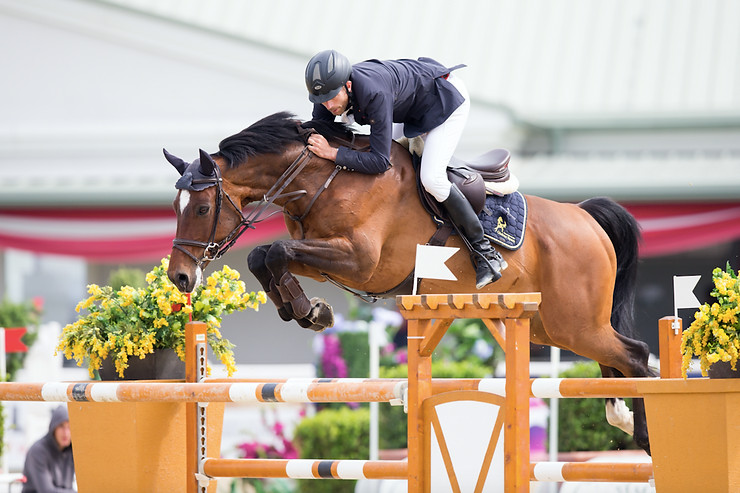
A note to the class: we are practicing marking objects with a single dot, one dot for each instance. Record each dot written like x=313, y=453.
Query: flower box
x=694, y=434
x=135, y=446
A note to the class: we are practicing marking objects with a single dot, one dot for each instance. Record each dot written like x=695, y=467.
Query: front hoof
x=319, y=318
x=322, y=313
x=307, y=324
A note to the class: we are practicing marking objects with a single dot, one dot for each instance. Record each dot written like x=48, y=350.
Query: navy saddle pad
x=504, y=219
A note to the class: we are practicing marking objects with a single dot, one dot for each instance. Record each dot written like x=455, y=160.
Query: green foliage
x=26, y=315
x=714, y=335
x=356, y=353
x=17, y=315
x=468, y=339
x=392, y=421
x=119, y=278
x=135, y=321
x=582, y=422
x=333, y=434
x=441, y=369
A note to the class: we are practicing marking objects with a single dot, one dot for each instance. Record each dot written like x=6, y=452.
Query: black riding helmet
x=326, y=73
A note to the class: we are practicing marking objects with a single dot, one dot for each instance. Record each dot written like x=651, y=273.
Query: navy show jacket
x=412, y=92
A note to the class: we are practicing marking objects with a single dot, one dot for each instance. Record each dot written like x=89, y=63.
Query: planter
x=723, y=369
x=694, y=434
x=163, y=364
x=135, y=446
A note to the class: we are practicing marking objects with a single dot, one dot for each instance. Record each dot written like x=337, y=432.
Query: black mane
x=272, y=133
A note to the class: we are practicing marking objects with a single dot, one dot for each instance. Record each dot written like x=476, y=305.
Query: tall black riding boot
x=487, y=261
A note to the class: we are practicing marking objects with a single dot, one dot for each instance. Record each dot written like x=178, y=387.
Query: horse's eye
x=203, y=210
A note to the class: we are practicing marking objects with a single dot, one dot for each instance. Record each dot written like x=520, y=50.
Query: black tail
x=624, y=232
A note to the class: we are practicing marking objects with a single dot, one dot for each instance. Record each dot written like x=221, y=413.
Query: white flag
x=430, y=262
x=683, y=292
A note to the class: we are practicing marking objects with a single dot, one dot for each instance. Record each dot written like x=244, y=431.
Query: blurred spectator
x=49, y=466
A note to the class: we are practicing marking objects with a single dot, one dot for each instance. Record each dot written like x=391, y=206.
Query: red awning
x=119, y=235
x=675, y=228
x=107, y=235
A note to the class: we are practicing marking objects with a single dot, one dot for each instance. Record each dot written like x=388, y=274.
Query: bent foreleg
x=258, y=267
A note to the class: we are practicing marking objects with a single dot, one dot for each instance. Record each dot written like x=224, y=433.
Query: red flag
x=13, y=342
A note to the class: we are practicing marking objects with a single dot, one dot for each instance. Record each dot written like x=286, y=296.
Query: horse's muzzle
x=184, y=281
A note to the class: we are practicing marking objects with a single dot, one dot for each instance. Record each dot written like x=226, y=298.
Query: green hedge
x=582, y=422
x=356, y=353
x=333, y=434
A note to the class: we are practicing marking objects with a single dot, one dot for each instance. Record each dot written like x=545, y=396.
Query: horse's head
x=206, y=223
x=263, y=163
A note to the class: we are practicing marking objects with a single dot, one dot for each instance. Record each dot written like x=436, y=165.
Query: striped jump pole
x=306, y=468
x=607, y=472
x=293, y=390
x=302, y=390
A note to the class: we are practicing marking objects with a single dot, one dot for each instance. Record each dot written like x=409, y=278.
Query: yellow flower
x=714, y=334
x=133, y=322
x=94, y=290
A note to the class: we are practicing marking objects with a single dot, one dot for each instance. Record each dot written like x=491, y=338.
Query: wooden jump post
x=507, y=317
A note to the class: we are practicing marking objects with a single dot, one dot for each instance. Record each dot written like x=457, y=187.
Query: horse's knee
x=257, y=266
x=276, y=258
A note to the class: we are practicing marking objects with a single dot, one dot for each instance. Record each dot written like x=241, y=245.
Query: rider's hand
x=319, y=146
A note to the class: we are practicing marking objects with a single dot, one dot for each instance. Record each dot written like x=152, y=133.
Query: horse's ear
x=175, y=161
x=206, y=163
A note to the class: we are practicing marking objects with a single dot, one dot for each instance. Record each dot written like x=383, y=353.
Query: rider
x=402, y=97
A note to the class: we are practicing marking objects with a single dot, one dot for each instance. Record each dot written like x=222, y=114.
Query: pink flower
x=38, y=303
x=332, y=363
x=401, y=356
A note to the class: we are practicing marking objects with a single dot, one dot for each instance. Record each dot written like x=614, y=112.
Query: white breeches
x=440, y=144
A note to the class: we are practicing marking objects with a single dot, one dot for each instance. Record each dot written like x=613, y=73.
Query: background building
x=638, y=100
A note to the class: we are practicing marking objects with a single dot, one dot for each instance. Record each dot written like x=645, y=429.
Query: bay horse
x=360, y=232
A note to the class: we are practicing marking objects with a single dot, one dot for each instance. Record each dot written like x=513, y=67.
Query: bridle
x=214, y=250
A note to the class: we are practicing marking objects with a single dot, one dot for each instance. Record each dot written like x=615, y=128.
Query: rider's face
x=339, y=103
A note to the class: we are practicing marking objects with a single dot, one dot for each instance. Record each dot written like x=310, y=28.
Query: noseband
x=213, y=250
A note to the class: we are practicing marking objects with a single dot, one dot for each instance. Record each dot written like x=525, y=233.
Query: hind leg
x=616, y=410
x=621, y=356
x=617, y=413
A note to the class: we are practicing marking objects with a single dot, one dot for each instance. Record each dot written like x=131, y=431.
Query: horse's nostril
x=182, y=282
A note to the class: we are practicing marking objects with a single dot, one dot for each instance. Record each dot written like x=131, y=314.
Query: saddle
x=492, y=192
x=487, y=174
